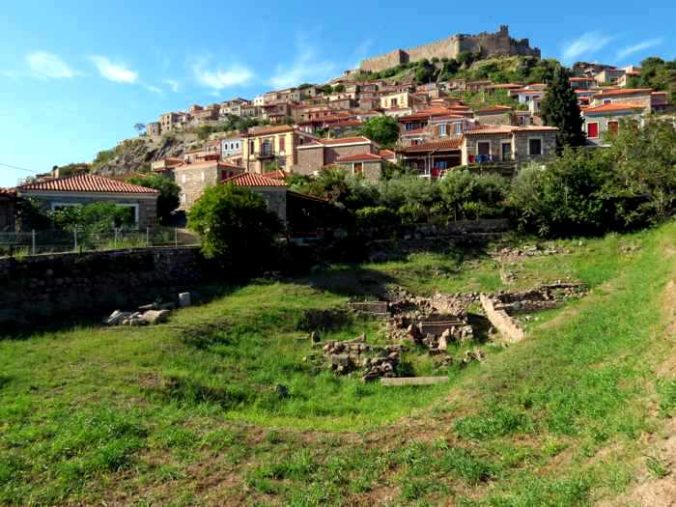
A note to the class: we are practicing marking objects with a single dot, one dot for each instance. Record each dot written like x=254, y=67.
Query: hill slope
x=188, y=412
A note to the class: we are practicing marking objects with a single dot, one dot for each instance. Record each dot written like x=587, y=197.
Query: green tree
x=560, y=109
x=236, y=228
x=381, y=129
x=470, y=195
x=168, y=200
x=95, y=217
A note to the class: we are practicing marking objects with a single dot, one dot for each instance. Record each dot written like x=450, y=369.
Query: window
x=613, y=127
x=458, y=128
x=535, y=147
x=592, y=130
x=506, y=151
x=607, y=101
x=442, y=130
x=282, y=143
x=483, y=148
x=441, y=164
x=393, y=102
x=358, y=168
x=251, y=147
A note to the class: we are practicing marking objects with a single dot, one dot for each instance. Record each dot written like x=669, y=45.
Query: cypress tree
x=559, y=108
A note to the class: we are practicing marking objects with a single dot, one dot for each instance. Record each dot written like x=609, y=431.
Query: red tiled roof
x=277, y=175
x=446, y=145
x=346, y=140
x=494, y=109
x=85, y=182
x=208, y=163
x=254, y=180
x=623, y=91
x=611, y=108
x=386, y=154
x=7, y=192
x=359, y=156
x=257, y=131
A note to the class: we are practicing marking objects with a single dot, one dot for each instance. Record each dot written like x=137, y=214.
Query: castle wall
x=491, y=44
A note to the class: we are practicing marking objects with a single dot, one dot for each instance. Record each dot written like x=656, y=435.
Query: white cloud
x=173, y=85
x=49, y=65
x=116, y=72
x=218, y=79
x=636, y=48
x=585, y=44
x=154, y=89
x=306, y=67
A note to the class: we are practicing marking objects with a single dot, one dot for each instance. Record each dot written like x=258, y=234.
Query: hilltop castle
x=490, y=44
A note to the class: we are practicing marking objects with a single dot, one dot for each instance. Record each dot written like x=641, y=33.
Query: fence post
x=33, y=241
x=75, y=239
x=175, y=236
x=147, y=236
x=115, y=240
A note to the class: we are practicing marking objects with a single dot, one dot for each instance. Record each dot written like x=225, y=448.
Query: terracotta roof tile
x=359, y=157
x=85, y=182
x=611, y=108
x=493, y=109
x=255, y=180
x=345, y=140
x=257, y=131
x=623, y=91
x=7, y=192
x=445, y=145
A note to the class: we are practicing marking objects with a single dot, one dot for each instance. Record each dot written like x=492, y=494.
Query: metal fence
x=16, y=244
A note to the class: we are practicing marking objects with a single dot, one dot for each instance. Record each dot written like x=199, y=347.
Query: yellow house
x=266, y=147
x=394, y=100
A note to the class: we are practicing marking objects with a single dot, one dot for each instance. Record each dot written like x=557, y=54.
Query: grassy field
x=189, y=412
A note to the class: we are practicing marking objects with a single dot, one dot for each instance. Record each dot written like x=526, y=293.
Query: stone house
x=273, y=190
x=494, y=115
x=8, y=205
x=323, y=152
x=367, y=165
x=86, y=188
x=530, y=95
x=194, y=178
x=637, y=96
x=604, y=119
x=608, y=75
x=506, y=143
x=153, y=128
x=273, y=146
x=430, y=159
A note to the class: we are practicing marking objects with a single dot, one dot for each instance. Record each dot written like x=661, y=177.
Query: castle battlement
x=489, y=44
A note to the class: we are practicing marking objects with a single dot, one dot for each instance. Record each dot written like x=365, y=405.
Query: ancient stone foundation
x=43, y=288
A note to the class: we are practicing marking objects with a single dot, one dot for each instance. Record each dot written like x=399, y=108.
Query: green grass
x=188, y=412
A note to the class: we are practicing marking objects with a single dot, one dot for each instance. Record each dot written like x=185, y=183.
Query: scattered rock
x=156, y=316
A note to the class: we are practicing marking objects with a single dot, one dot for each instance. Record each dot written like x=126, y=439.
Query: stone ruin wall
x=491, y=44
x=386, y=61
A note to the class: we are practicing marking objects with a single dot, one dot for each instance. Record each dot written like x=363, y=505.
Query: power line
x=19, y=168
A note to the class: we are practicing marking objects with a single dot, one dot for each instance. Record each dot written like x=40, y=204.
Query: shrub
x=470, y=195
x=235, y=227
x=168, y=200
x=381, y=129
x=92, y=218
x=375, y=217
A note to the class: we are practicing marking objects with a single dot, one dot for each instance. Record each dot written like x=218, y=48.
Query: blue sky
x=76, y=75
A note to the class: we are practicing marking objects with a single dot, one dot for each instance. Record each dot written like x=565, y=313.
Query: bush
x=375, y=217
x=381, y=129
x=235, y=227
x=470, y=195
x=168, y=200
x=629, y=185
x=93, y=218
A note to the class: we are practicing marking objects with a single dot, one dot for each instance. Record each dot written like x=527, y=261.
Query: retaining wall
x=43, y=287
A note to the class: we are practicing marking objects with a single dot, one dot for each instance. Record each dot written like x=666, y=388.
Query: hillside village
x=444, y=120
x=445, y=277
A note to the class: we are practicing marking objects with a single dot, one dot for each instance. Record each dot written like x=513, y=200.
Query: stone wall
x=41, y=288
x=490, y=44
